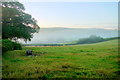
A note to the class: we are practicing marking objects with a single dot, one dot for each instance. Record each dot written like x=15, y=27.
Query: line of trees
x=91, y=39
x=94, y=39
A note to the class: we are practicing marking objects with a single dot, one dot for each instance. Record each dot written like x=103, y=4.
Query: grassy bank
x=99, y=60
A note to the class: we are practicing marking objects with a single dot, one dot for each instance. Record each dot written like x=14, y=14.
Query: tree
x=16, y=24
x=91, y=39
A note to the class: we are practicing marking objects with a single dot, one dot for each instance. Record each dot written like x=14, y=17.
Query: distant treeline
x=89, y=40
x=94, y=39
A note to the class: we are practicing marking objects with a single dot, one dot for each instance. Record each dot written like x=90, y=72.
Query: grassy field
x=99, y=60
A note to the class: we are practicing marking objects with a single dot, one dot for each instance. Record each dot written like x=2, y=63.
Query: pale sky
x=74, y=14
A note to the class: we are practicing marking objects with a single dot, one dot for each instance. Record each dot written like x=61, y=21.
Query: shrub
x=8, y=45
x=16, y=46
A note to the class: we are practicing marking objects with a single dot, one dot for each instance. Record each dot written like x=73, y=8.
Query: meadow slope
x=99, y=60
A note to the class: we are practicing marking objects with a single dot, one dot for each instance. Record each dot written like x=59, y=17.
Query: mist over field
x=64, y=35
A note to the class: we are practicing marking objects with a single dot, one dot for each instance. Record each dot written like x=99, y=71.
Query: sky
x=74, y=14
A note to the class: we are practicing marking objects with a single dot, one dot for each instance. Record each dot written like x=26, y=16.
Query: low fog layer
x=64, y=35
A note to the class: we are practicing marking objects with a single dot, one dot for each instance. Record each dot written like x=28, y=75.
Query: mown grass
x=99, y=60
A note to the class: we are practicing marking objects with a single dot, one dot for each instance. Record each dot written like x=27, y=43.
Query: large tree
x=16, y=24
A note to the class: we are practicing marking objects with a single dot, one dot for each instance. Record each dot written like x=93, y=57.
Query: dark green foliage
x=16, y=46
x=8, y=45
x=91, y=39
x=16, y=23
x=94, y=39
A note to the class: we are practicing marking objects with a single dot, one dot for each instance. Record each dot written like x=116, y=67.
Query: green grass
x=99, y=60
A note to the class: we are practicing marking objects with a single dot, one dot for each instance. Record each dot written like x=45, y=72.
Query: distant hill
x=64, y=35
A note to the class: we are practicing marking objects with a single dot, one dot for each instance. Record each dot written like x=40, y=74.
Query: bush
x=16, y=46
x=8, y=45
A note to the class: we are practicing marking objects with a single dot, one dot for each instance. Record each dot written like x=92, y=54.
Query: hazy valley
x=64, y=35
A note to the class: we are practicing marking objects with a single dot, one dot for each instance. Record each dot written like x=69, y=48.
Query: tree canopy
x=91, y=39
x=16, y=24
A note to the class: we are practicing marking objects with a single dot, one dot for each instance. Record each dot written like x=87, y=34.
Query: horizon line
x=83, y=28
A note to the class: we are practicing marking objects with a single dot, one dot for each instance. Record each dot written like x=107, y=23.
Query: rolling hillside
x=99, y=60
